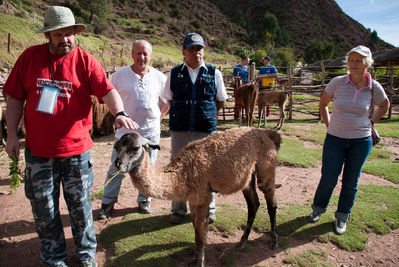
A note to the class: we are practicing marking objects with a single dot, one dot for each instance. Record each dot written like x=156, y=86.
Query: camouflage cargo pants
x=43, y=177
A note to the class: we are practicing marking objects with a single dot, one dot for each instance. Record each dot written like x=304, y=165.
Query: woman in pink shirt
x=348, y=141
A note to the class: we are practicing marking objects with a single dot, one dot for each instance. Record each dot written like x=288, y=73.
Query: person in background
x=241, y=71
x=195, y=92
x=269, y=71
x=51, y=86
x=140, y=87
x=348, y=141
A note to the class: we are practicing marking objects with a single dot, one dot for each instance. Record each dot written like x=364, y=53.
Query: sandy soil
x=19, y=245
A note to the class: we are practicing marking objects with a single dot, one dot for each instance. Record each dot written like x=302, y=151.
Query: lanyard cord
x=51, y=66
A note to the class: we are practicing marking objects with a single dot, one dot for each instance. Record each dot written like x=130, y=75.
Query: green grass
x=306, y=129
x=387, y=168
x=301, y=97
x=18, y=27
x=388, y=128
x=292, y=152
x=309, y=258
x=150, y=240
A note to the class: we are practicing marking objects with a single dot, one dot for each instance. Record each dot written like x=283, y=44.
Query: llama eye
x=134, y=149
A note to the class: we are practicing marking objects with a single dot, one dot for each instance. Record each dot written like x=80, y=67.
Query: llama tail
x=275, y=137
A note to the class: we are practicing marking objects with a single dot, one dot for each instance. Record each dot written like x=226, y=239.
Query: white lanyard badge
x=48, y=98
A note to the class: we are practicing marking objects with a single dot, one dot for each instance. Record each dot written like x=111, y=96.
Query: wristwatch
x=122, y=113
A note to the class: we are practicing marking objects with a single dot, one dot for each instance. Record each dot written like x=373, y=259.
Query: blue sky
x=379, y=15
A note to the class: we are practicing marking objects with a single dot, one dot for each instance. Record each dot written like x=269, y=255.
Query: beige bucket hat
x=59, y=17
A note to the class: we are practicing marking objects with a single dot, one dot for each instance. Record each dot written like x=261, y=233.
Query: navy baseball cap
x=192, y=39
x=268, y=58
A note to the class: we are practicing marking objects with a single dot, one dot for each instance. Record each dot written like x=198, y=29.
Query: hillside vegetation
x=283, y=29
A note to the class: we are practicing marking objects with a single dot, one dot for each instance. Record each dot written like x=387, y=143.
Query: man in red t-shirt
x=51, y=85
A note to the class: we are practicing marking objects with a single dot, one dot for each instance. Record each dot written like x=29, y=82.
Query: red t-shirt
x=66, y=131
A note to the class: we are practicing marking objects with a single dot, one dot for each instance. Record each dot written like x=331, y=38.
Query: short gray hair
x=142, y=41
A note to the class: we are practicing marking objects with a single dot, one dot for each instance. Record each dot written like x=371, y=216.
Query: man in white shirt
x=195, y=92
x=140, y=87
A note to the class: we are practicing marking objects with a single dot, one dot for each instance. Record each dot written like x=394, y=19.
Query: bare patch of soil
x=19, y=245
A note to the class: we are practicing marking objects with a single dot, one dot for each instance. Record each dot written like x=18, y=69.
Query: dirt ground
x=19, y=245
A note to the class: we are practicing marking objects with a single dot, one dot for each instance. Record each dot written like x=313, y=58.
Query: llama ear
x=154, y=146
x=149, y=144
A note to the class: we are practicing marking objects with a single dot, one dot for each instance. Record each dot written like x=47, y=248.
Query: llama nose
x=117, y=163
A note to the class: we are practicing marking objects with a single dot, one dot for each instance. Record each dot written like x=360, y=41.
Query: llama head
x=130, y=149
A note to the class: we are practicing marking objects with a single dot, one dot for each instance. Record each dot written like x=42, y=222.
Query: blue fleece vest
x=193, y=106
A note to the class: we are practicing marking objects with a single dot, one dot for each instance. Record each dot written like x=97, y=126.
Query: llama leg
x=240, y=116
x=253, y=204
x=282, y=116
x=264, y=113
x=200, y=216
x=247, y=115
x=260, y=111
x=268, y=191
x=279, y=125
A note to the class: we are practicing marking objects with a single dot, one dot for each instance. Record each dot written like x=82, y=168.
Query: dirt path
x=19, y=245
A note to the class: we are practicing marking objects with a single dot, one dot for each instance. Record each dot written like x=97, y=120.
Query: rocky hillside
x=165, y=22
x=305, y=20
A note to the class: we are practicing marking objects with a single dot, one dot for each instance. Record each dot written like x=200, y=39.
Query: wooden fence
x=302, y=80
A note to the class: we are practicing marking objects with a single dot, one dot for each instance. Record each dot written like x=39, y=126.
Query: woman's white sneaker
x=340, y=227
x=314, y=217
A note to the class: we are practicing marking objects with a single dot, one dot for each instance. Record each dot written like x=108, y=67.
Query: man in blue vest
x=195, y=92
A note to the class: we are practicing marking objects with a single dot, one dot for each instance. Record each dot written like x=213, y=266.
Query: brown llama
x=237, y=159
x=269, y=98
x=246, y=98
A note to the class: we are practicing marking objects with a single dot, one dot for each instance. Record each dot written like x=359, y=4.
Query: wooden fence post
x=391, y=89
x=223, y=110
x=251, y=73
x=290, y=91
x=9, y=43
x=323, y=73
x=102, y=52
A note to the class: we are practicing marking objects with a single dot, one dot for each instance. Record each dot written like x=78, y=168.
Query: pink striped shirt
x=350, y=112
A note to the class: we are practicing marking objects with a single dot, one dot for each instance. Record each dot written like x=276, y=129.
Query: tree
x=374, y=37
x=285, y=56
x=318, y=50
x=101, y=8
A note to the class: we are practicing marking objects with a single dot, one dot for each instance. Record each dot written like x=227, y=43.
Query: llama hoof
x=177, y=218
x=274, y=245
x=239, y=246
x=105, y=211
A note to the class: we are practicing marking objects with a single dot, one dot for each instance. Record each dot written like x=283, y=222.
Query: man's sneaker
x=212, y=218
x=340, y=227
x=106, y=210
x=88, y=263
x=144, y=207
x=314, y=217
x=177, y=218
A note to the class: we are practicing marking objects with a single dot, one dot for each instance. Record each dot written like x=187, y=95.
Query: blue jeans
x=338, y=152
x=111, y=191
x=43, y=177
x=178, y=141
